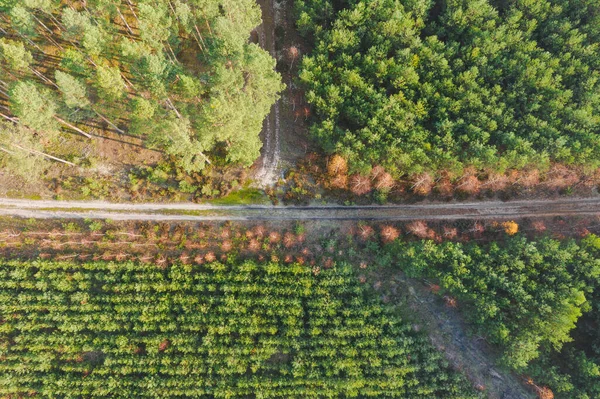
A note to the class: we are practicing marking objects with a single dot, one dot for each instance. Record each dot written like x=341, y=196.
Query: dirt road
x=199, y=212
x=267, y=174
x=284, y=135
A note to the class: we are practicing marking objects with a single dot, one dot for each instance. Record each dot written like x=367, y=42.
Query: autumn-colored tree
x=306, y=112
x=511, y=228
x=450, y=232
x=360, y=185
x=260, y=231
x=545, y=393
x=422, y=184
x=419, y=228
x=210, y=257
x=253, y=245
x=198, y=259
x=541, y=392
x=226, y=245
x=528, y=178
x=444, y=186
x=376, y=171
x=496, y=181
x=339, y=181
x=538, y=225
x=293, y=53
x=382, y=180
x=469, y=185
x=366, y=232
x=592, y=179
x=477, y=228
x=164, y=345
x=561, y=177
x=450, y=301
x=336, y=166
x=289, y=240
x=274, y=237
x=389, y=234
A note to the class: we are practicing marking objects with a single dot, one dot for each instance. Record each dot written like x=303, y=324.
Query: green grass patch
x=245, y=196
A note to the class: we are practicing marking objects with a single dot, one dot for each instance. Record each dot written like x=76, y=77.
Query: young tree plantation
x=232, y=330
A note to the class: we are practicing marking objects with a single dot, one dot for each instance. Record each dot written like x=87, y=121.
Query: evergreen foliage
x=214, y=331
x=17, y=144
x=536, y=300
x=574, y=372
x=33, y=105
x=422, y=85
x=189, y=60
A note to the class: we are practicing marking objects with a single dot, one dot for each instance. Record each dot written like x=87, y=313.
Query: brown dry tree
x=274, y=237
x=389, y=234
x=337, y=165
x=360, y=185
x=289, y=240
x=366, y=232
x=422, y=184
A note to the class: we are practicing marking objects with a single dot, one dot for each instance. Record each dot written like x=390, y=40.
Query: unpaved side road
x=267, y=173
x=200, y=212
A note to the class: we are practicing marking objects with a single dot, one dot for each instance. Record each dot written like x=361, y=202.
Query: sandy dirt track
x=200, y=212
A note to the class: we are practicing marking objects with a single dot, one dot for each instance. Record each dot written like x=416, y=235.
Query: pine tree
x=73, y=91
x=15, y=55
x=109, y=82
x=34, y=106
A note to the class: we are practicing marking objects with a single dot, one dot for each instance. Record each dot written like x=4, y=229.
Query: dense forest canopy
x=181, y=74
x=234, y=330
x=421, y=85
x=536, y=300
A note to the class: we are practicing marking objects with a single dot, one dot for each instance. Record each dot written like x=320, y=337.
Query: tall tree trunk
x=36, y=152
x=170, y=103
x=78, y=130
x=44, y=78
x=207, y=24
x=125, y=22
x=7, y=151
x=174, y=60
x=56, y=22
x=193, y=35
x=41, y=23
x=15, y=120
x=200, y=36
x=108, y=121
x=133, y=12
x=205, y=158
x=50, y=39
